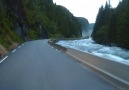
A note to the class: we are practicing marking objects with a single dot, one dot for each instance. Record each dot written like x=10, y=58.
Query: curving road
x=37, y=66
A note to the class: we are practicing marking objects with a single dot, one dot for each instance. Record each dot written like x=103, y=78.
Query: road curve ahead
x=37, y=66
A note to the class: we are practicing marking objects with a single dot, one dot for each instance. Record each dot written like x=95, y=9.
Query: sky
x=85, y=8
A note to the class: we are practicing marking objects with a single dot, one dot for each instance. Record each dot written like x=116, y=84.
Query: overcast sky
x=85, y=8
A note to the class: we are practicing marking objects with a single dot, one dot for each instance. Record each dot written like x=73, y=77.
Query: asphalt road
x=37, y=66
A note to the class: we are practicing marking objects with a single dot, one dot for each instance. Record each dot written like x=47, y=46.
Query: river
x=88, y=45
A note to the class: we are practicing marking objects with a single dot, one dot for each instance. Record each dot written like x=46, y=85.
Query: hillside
x=23, y=20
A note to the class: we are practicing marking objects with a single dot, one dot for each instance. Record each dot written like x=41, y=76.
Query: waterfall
x=87, y=32
x=90, y=30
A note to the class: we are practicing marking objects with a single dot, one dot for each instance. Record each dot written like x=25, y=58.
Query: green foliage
x=2, y=12
x=7, y=33
x=123, y=25
x=33, y=34
x=112, y=25
x=35, y=19
x=56, y=36
x=55, y=19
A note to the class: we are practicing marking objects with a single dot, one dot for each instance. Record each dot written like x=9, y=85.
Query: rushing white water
x=88, y=45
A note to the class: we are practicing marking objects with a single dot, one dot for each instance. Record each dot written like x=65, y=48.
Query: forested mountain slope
x=22, y=20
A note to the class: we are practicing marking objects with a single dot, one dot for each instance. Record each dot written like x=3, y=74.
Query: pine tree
x=112, y=25
x=100, y=33
x=123, y=25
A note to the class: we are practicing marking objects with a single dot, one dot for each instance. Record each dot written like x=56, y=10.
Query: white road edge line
x=14, y=51
x=3, y=59
x=19, y=47
x=57, y=50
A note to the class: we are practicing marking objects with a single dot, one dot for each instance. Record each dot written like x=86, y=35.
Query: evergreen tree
x=123, y=25
x=100, y=33
x=98, y=23
x=112, y=25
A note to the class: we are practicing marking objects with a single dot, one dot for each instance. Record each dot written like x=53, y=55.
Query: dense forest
x=22, y=20
x=112, y=25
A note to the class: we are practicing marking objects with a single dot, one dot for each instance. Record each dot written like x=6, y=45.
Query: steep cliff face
x=8, y=17
x=85, y=26
x=16, y=9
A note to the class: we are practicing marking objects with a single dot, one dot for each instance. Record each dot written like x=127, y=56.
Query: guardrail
x=61, y=48
x=114, y=72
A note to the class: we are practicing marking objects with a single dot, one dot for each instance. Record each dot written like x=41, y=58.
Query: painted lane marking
x=19, y=47
x=56, y=49
x=14, y=51
x=3, y=59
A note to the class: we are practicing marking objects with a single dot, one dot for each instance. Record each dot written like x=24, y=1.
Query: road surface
x=37, y=66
